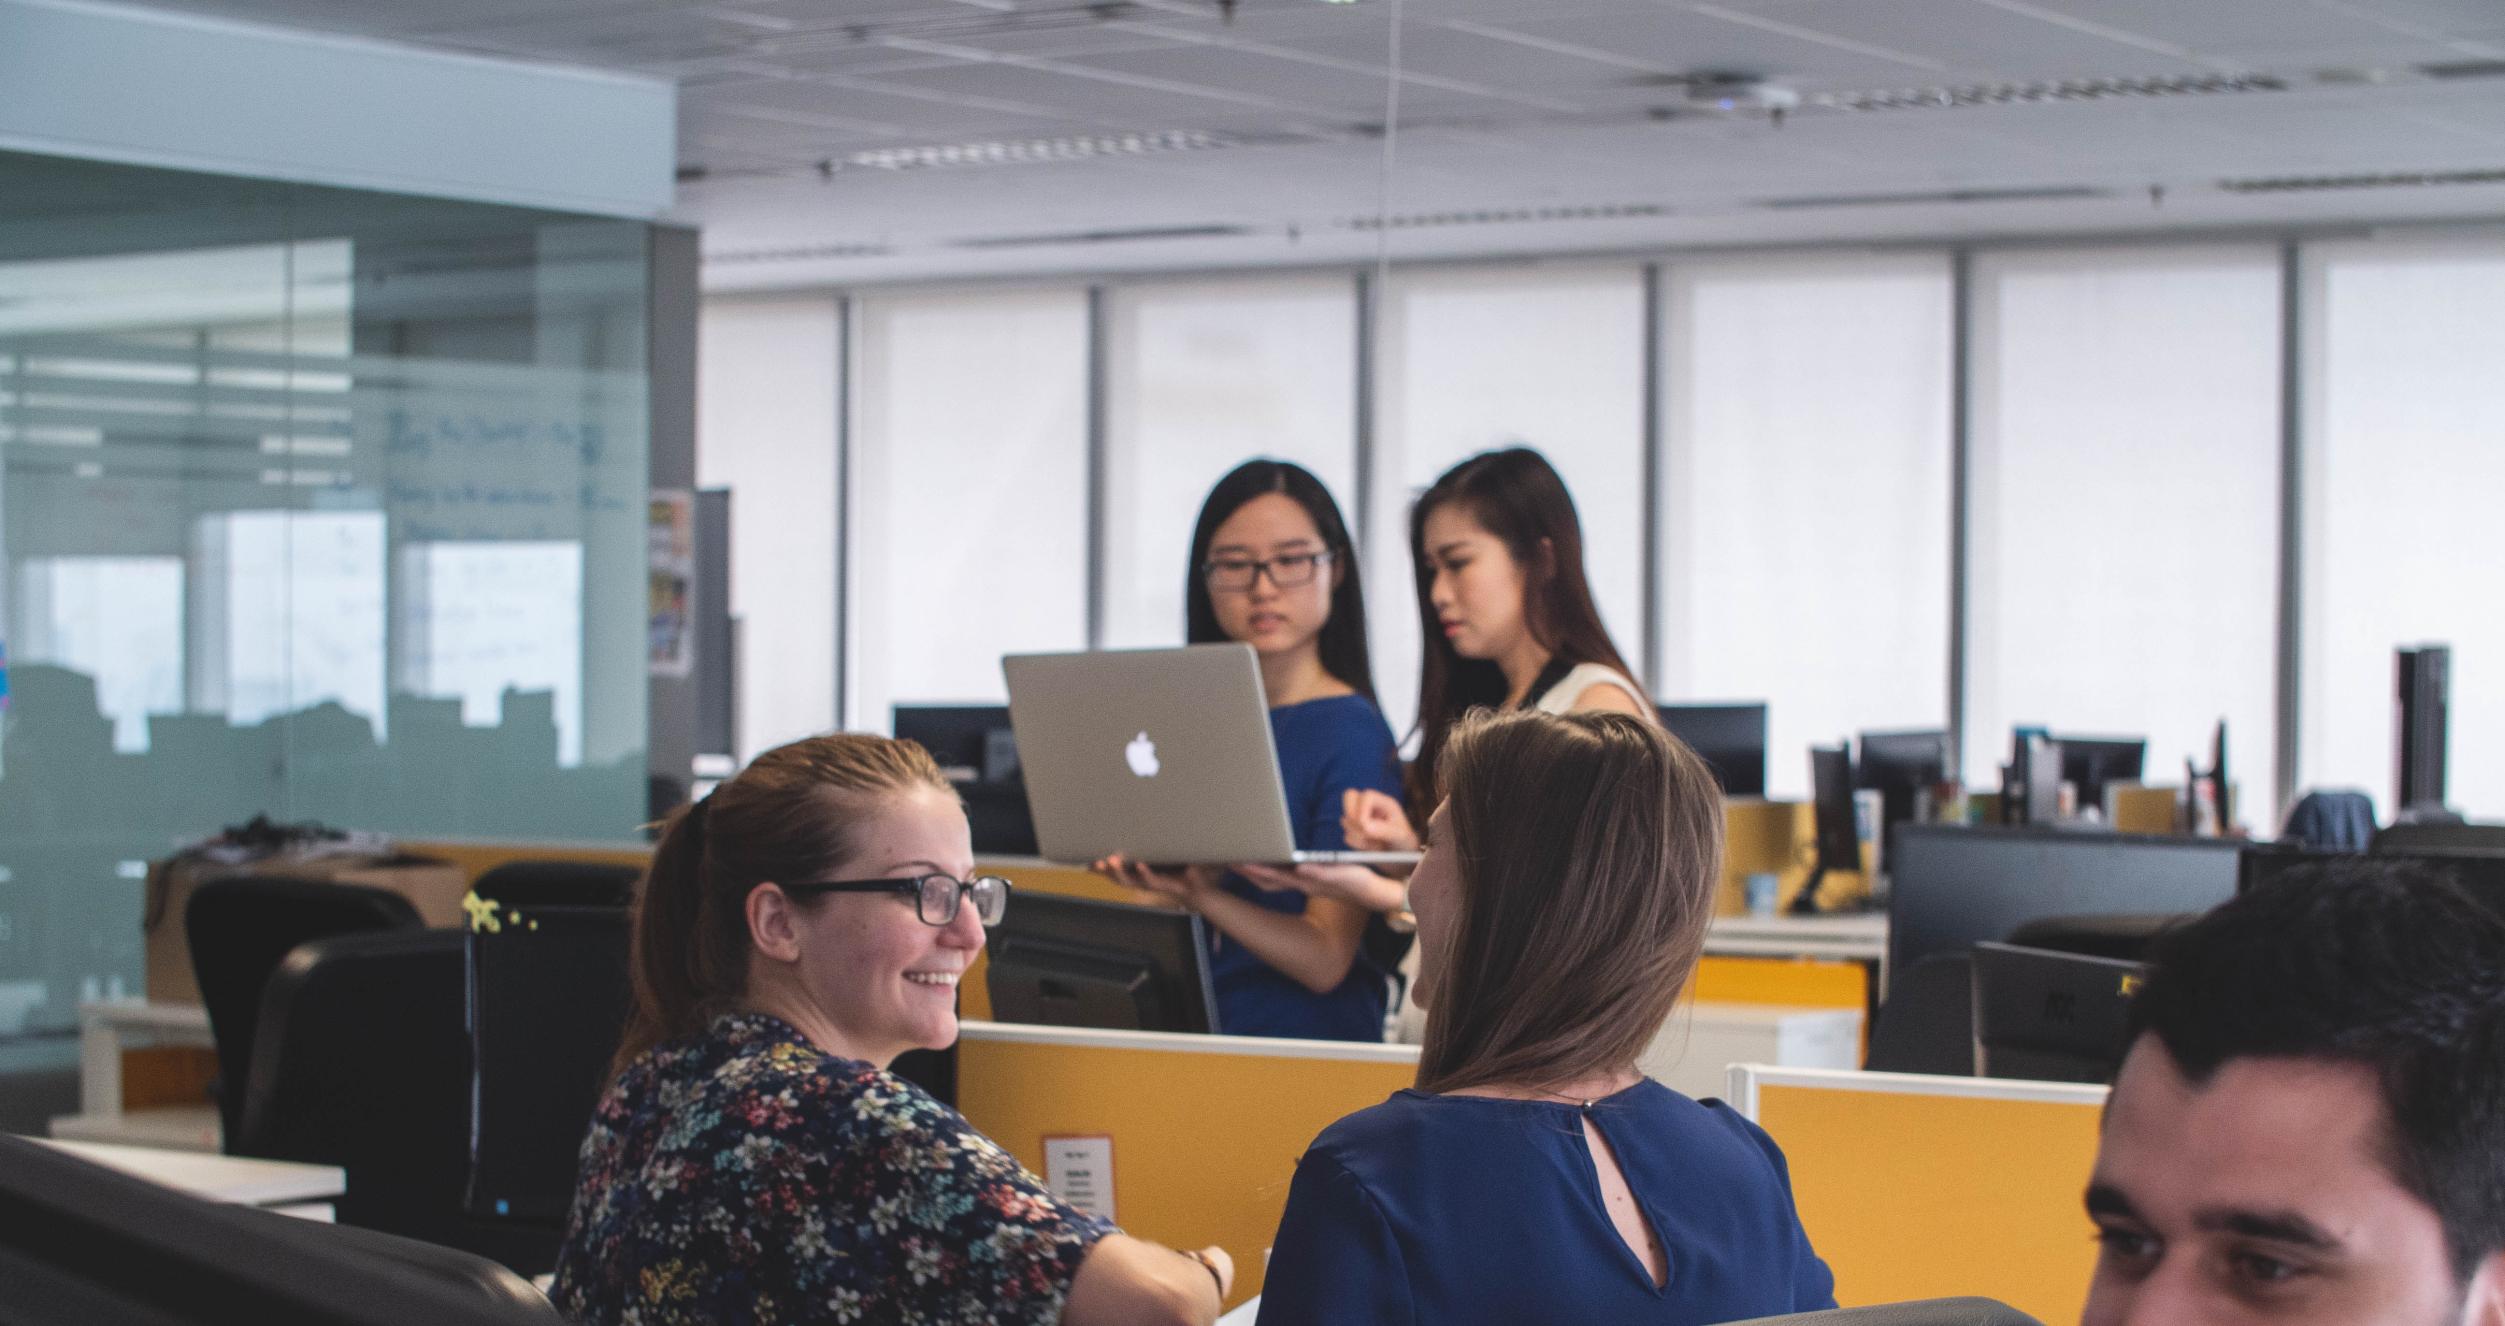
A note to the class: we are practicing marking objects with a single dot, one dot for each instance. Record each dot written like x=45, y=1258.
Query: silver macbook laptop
x=1161, y=754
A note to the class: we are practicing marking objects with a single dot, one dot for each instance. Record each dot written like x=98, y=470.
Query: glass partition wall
x=316, y=504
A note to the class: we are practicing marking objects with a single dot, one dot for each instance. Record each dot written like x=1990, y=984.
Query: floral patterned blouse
x=743, y=1175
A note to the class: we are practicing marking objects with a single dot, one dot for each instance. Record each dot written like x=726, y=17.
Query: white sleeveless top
x=1561, y=697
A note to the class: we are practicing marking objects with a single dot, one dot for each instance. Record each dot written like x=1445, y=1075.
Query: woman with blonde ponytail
x=753, y=1160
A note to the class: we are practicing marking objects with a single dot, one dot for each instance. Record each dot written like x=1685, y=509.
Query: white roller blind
x=1475, y=360
x=2122, y=555
x=1200, y=378
x=765, y=429
x=1805, y=505
x=969, y=498
x=2404, y=540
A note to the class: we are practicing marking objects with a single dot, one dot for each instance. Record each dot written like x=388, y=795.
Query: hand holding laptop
x=1360, y=885
x=1183, y=888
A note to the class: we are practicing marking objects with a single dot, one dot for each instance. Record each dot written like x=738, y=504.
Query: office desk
x=1849, y=937
x=105, y=1030
x=279, y=1185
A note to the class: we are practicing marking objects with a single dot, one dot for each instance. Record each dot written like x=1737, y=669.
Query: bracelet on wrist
x=1209, y=1264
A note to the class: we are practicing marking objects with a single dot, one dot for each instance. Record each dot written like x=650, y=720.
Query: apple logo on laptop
x=1142, y=753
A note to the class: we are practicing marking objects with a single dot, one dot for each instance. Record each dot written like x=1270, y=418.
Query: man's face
x=2260, y=1196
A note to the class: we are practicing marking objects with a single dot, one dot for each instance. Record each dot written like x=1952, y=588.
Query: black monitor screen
x=1837, y=838
x=1902, y=767
x=2481, y=874
x=548, y=1002
x=977, y=749
x=1077, y=962
x=1953, y=886
x=2050, y=1017
x=1730, y=738
x=2088, y=763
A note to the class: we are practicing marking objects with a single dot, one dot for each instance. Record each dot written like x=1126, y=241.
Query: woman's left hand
x=1349, y=883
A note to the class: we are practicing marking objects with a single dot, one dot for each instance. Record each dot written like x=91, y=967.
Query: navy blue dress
x=1325, y=747
x=1457, y=1209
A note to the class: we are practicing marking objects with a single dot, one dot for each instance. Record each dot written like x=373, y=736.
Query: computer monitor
x=1903, y=767
x=1835, y=837
x=2422, y=707
x=1077, y=962
x=978, y=751
x=548, y=1001
x=2479, y=872
x=1952, y=886
x=2089, y=763
x=2050, y=1017
x=1730, y=738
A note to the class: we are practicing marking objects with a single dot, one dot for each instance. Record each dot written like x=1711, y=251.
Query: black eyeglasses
x=935, y=897
x=1288, y=571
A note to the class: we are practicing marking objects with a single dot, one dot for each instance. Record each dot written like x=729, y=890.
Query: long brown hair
x=1514, y=494
x=794, y=814
x=1588, y=848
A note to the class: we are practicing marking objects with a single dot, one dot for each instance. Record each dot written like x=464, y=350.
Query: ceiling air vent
x=2063, y=90
x=800, y=253
x=1019, y=152
x=2054, y=193
x=1104, y=236
x=2396, y=180
x=1505, y=216
x=2465, y=69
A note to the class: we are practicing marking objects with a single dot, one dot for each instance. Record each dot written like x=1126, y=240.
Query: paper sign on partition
x=1079, y=1171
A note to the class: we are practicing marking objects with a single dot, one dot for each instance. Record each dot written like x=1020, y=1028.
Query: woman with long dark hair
x=1508, y=622
x=1272, y=566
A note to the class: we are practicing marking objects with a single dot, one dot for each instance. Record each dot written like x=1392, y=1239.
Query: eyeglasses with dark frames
x=935, y=897
x=1287, y=571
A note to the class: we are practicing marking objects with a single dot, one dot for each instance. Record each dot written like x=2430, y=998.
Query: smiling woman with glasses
x=753, y=1160
x=1269, y=568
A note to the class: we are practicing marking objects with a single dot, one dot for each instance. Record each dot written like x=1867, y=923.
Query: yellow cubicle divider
x=1925, y=1187
x=1205, y=1130
x=1783, y=982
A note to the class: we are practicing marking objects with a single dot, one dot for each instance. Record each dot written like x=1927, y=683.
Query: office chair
x=1924, y=1312
x=1927, y=1023
x=362, y=1061
x=84, y=1243
x=239, y=930
x=2123, y=936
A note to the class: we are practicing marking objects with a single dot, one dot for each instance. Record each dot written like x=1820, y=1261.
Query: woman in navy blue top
x=1533, y=1175
x=1271, y=566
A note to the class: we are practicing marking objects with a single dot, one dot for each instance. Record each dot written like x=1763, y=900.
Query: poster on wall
x=671, y=640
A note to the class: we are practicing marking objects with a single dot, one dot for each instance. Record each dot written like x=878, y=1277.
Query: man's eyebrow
x=2104, y=1199
x=2277, y=1226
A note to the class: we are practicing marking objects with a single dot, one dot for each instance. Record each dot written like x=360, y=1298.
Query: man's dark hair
x=2366, y=961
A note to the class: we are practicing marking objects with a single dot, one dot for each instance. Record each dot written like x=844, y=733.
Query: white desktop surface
x=242, y=1180
x=1848, y=936
x=1243, y=1314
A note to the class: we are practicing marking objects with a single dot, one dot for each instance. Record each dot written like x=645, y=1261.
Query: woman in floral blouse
x=754, y=1160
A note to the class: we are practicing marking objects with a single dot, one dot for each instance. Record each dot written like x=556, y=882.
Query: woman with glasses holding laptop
x=1272, y=566
x=1533, y=1174
x=752, y=1159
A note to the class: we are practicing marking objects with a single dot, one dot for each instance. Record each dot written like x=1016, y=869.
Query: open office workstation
x=2000, y=442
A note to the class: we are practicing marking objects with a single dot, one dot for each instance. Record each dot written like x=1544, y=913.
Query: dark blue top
x=1470, y=1209
x=1325, y=747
